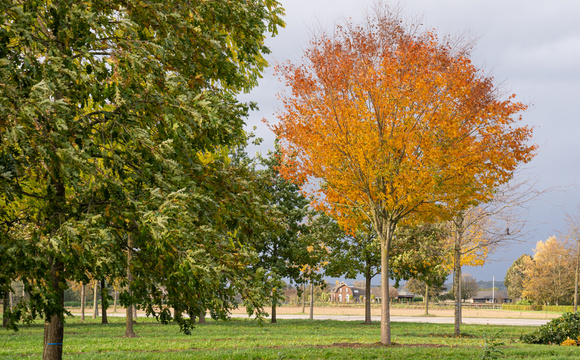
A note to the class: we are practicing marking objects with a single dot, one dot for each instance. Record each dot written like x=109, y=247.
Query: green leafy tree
x=288, y=250
x=353, y=254
x=107, y=103
x=419, y=254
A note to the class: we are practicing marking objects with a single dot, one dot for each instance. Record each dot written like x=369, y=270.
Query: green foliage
x=418, y=253
x=293, y=247
x=554, y=308
x=556, y=331
x=352, y=254
x=117, y=120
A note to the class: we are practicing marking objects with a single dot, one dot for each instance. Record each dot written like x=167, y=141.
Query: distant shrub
x=555, y=308
x=524, y=302
x=556, y=331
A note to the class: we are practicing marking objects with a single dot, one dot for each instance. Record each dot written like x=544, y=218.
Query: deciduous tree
x=419, y=252
x=355, y=254
x=515, y=277
x=111, y=102
x=549, y=279
x=392, y=122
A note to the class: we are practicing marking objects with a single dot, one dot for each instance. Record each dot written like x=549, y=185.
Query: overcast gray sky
x=531, y=47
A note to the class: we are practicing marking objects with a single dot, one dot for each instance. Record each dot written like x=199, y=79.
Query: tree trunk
x=96, y=300
x=115, y=293
x=311, y=300
x=385, y=232
x=426, y=299
x=104, y=302
x=274, y=301
x=576, y=277
x=83, y=301
x=457, y=285
x=129, y=311
x=202, y=317
x=5, y=305
x=54, y=323
x=368, y=295
x=303, y=297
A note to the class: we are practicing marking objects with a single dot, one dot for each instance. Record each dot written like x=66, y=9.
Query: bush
x=556, y=331
x=555, y=308
x=522, y=307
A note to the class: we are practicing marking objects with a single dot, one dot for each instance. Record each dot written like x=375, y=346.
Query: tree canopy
x=114, y=119
x=391, y=121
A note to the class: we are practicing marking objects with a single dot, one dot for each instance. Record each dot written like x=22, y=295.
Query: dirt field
x=397, y=311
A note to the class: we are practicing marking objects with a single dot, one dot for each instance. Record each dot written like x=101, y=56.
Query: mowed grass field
x=287, y=339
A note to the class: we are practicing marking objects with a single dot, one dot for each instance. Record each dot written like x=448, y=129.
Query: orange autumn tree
x=395, y=123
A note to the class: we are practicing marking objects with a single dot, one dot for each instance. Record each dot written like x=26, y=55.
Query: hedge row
x=561, y=308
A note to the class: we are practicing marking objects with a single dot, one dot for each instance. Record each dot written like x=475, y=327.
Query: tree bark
x=129, y=311
x=96, y=300
x=274, y=301
x=385, y=233
x=115, y=294
x=367, y=295
x=311, y=300
x=54, y=323
x=457, y=284
x=303, y=297
x=83, y=301
x=202, y=317
x=104, y=302
x=426, y=299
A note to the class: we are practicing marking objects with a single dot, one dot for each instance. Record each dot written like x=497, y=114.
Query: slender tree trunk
x=54, y=323
x=274, y=301
x=115, y=294
x=311, y=300
x=303, y=297
x=426, y=299
x=135, y=313
x=11, y=300
x=83, y=301
x=5, y=305
x=177, y=313
x=576, y=277
x=202, y=317
x=104, y=302
x=96, y=300
x=385, y=234
x=368, y=295
x=129, y=311
x=457, y=285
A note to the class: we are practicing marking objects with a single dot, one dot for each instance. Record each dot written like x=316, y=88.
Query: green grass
x=288, y=339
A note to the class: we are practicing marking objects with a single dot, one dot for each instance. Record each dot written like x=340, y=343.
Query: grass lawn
x=288, y=339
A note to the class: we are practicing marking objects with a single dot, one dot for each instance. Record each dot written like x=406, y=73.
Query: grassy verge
x=288, y=339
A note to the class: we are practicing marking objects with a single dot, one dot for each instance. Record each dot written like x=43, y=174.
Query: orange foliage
x=394, y=123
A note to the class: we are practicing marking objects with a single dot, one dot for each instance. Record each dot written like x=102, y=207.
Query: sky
x=530, y=47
